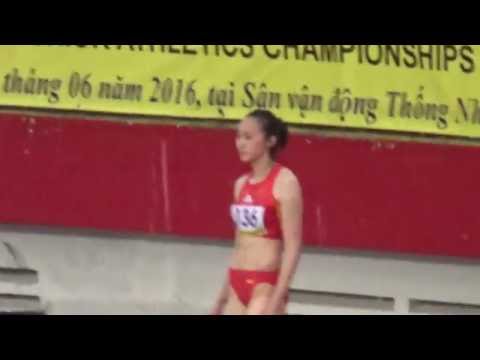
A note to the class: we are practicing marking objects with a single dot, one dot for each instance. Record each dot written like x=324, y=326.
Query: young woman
x=267, y=212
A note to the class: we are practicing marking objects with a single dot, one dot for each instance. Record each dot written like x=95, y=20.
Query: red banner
x=360, y=194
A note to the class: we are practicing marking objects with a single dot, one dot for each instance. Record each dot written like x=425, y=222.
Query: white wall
x=89, y=273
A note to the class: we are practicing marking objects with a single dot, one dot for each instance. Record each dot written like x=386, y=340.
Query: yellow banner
x=409, y=88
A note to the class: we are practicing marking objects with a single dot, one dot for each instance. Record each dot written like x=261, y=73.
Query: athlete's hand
x=218, y=307
x=274, y=307
x=270, y=309
x=216, y=310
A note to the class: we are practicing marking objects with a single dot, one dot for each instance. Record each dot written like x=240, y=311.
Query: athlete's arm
x=288, y=193
x=223, y=296
x=222, y=299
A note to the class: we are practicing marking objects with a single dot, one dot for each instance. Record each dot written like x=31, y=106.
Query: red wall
x=360, y=194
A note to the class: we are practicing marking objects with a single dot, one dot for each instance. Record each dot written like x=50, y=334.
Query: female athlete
x=267, y=212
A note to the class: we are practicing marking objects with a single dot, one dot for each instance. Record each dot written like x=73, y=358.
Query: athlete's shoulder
x=287, y=176
x=241, y=180
x=287, y=183
x=239, y=183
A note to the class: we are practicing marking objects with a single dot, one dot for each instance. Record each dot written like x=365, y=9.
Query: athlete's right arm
x=223, y=296
x=238, y=186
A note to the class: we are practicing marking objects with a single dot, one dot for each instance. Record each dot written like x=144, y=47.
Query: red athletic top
x=256, y=212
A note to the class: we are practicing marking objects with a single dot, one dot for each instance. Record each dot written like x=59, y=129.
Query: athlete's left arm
x=288, y=193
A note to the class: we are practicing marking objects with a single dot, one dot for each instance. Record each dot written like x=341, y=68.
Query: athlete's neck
x=261, y=168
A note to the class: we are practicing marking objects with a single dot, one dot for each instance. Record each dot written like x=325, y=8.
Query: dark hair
x=272, y=126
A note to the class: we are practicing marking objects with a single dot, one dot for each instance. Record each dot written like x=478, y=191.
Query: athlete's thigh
x=260, y=299
x=234, y=306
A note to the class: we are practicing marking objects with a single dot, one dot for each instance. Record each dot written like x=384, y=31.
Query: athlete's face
x=251, y=141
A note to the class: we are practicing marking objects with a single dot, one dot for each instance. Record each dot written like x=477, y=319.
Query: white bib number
x=248, y=218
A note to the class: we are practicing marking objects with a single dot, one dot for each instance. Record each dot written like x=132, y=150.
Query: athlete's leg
x=234, y=306
x=260, y=299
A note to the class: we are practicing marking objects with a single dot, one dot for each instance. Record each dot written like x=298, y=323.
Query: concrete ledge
x=20, y=304
x=122, y=308
x=441, y=308
x=18, y=276
x=7, y=260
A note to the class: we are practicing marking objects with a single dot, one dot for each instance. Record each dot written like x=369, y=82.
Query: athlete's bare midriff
x=256, y=253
